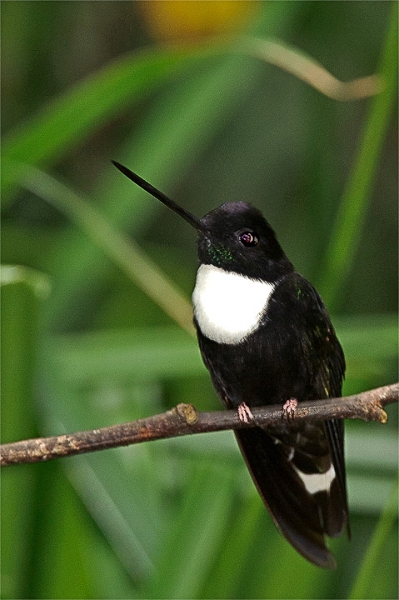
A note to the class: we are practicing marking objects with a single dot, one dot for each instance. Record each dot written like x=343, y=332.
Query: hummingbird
x=267, y=339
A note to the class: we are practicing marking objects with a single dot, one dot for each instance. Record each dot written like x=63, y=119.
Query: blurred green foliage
x=83, y=83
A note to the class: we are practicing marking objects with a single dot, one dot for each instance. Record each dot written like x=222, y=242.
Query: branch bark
x=184, y=419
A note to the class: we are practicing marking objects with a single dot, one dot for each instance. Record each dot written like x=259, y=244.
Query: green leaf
x=350, y=219
x=367, y=573
x=69, y=118
x=145, y=354
x=190, y=544
x=21, y=295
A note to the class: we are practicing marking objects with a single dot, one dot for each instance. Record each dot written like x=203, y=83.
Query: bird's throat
x=227, y=306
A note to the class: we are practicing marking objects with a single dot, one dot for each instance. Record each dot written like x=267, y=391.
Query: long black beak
x=196, y=223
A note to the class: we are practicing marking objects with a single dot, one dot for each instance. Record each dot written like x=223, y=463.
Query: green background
x=83, y=345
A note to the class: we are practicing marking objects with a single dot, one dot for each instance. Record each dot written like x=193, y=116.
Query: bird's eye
x=248, y=238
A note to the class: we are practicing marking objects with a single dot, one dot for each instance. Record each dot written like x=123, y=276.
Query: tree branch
x=184, y=419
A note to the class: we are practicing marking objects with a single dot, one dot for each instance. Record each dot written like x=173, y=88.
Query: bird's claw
x=289, y=408
x=244, y=413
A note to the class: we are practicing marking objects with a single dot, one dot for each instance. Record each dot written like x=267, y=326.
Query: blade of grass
x=232, y=563
x=125, y=253
x=67, y=119
x=38, y=282
x=346, y=231
x=72, y=116
x=142, y=354
x=190, y=546
x=304, y=67
x=60, y=511
x=113, y=491
x=384, y=527
x=22, y=291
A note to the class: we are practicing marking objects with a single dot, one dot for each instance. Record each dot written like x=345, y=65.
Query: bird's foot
x=289, y=409
x=244, y=413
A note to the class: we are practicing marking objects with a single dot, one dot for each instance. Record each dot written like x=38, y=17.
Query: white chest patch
x=228, y=306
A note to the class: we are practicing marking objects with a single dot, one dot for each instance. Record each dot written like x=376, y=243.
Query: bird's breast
x=228, y=306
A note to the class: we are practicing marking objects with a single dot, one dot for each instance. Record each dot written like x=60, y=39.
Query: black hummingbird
x=266, y=338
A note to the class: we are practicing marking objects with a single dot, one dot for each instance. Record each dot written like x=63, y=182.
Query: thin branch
x=184, y=419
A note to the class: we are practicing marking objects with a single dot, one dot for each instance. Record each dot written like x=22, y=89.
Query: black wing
x=299, y=470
